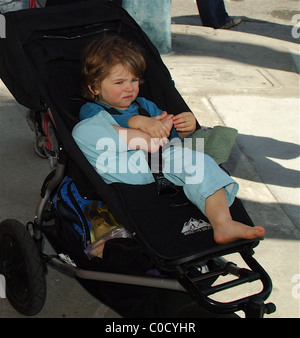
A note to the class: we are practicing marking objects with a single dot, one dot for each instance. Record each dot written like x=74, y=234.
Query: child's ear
x=94, y=91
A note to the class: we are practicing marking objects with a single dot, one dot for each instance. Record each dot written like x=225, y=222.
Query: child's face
x=119, y=89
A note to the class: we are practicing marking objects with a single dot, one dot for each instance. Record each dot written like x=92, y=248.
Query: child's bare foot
x=166, y=119
x=232, y=231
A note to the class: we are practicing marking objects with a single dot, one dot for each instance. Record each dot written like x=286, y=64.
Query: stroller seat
x=173, y=228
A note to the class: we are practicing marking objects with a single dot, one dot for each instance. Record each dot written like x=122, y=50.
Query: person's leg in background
x=213, y=14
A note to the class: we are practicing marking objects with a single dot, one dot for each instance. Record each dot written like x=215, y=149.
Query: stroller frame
x=192, y=274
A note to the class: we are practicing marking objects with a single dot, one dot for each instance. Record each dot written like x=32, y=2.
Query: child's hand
x=155, y=128
x=185, y=123
x=152, y=126
x=137, y=139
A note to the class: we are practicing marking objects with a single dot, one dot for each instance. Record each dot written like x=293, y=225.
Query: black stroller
x=47, y=42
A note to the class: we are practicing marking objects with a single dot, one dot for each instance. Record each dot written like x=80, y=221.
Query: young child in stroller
x=114, y=136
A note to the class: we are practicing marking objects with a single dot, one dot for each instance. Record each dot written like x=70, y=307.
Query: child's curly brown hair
x=104, y=53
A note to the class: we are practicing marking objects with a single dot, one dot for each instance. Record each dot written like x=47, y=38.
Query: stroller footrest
x=252, y=305
x=227, y=285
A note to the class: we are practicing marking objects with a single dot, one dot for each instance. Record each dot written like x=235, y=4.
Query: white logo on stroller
x=195, y=225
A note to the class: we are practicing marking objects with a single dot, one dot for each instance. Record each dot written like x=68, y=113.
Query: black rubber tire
x=21, y=264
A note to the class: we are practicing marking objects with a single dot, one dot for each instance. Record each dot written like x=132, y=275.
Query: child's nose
x=129, y=87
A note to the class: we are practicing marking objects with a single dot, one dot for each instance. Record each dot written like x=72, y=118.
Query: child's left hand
x=185, y=123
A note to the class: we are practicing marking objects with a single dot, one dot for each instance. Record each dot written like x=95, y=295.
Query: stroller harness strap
x=113, y=111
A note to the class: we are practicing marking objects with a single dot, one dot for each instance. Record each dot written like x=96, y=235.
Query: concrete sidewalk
x=247, y=78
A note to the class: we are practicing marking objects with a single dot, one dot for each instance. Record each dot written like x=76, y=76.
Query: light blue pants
x=198, y=174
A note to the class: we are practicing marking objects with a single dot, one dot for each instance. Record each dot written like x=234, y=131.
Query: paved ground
x=247, y=78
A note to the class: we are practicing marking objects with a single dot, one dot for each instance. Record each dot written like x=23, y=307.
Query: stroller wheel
x=21, y=265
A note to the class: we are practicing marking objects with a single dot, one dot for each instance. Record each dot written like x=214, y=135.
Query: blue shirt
x=91, y=109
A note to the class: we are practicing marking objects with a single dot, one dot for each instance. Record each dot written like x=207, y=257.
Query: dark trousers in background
x=212, y=13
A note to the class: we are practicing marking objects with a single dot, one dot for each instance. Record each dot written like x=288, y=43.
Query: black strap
x=111, y=110
x=163, y=185
x=114, y=111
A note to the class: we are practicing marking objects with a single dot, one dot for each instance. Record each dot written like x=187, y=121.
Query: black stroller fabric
x=130, y=301
x=170, y=225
